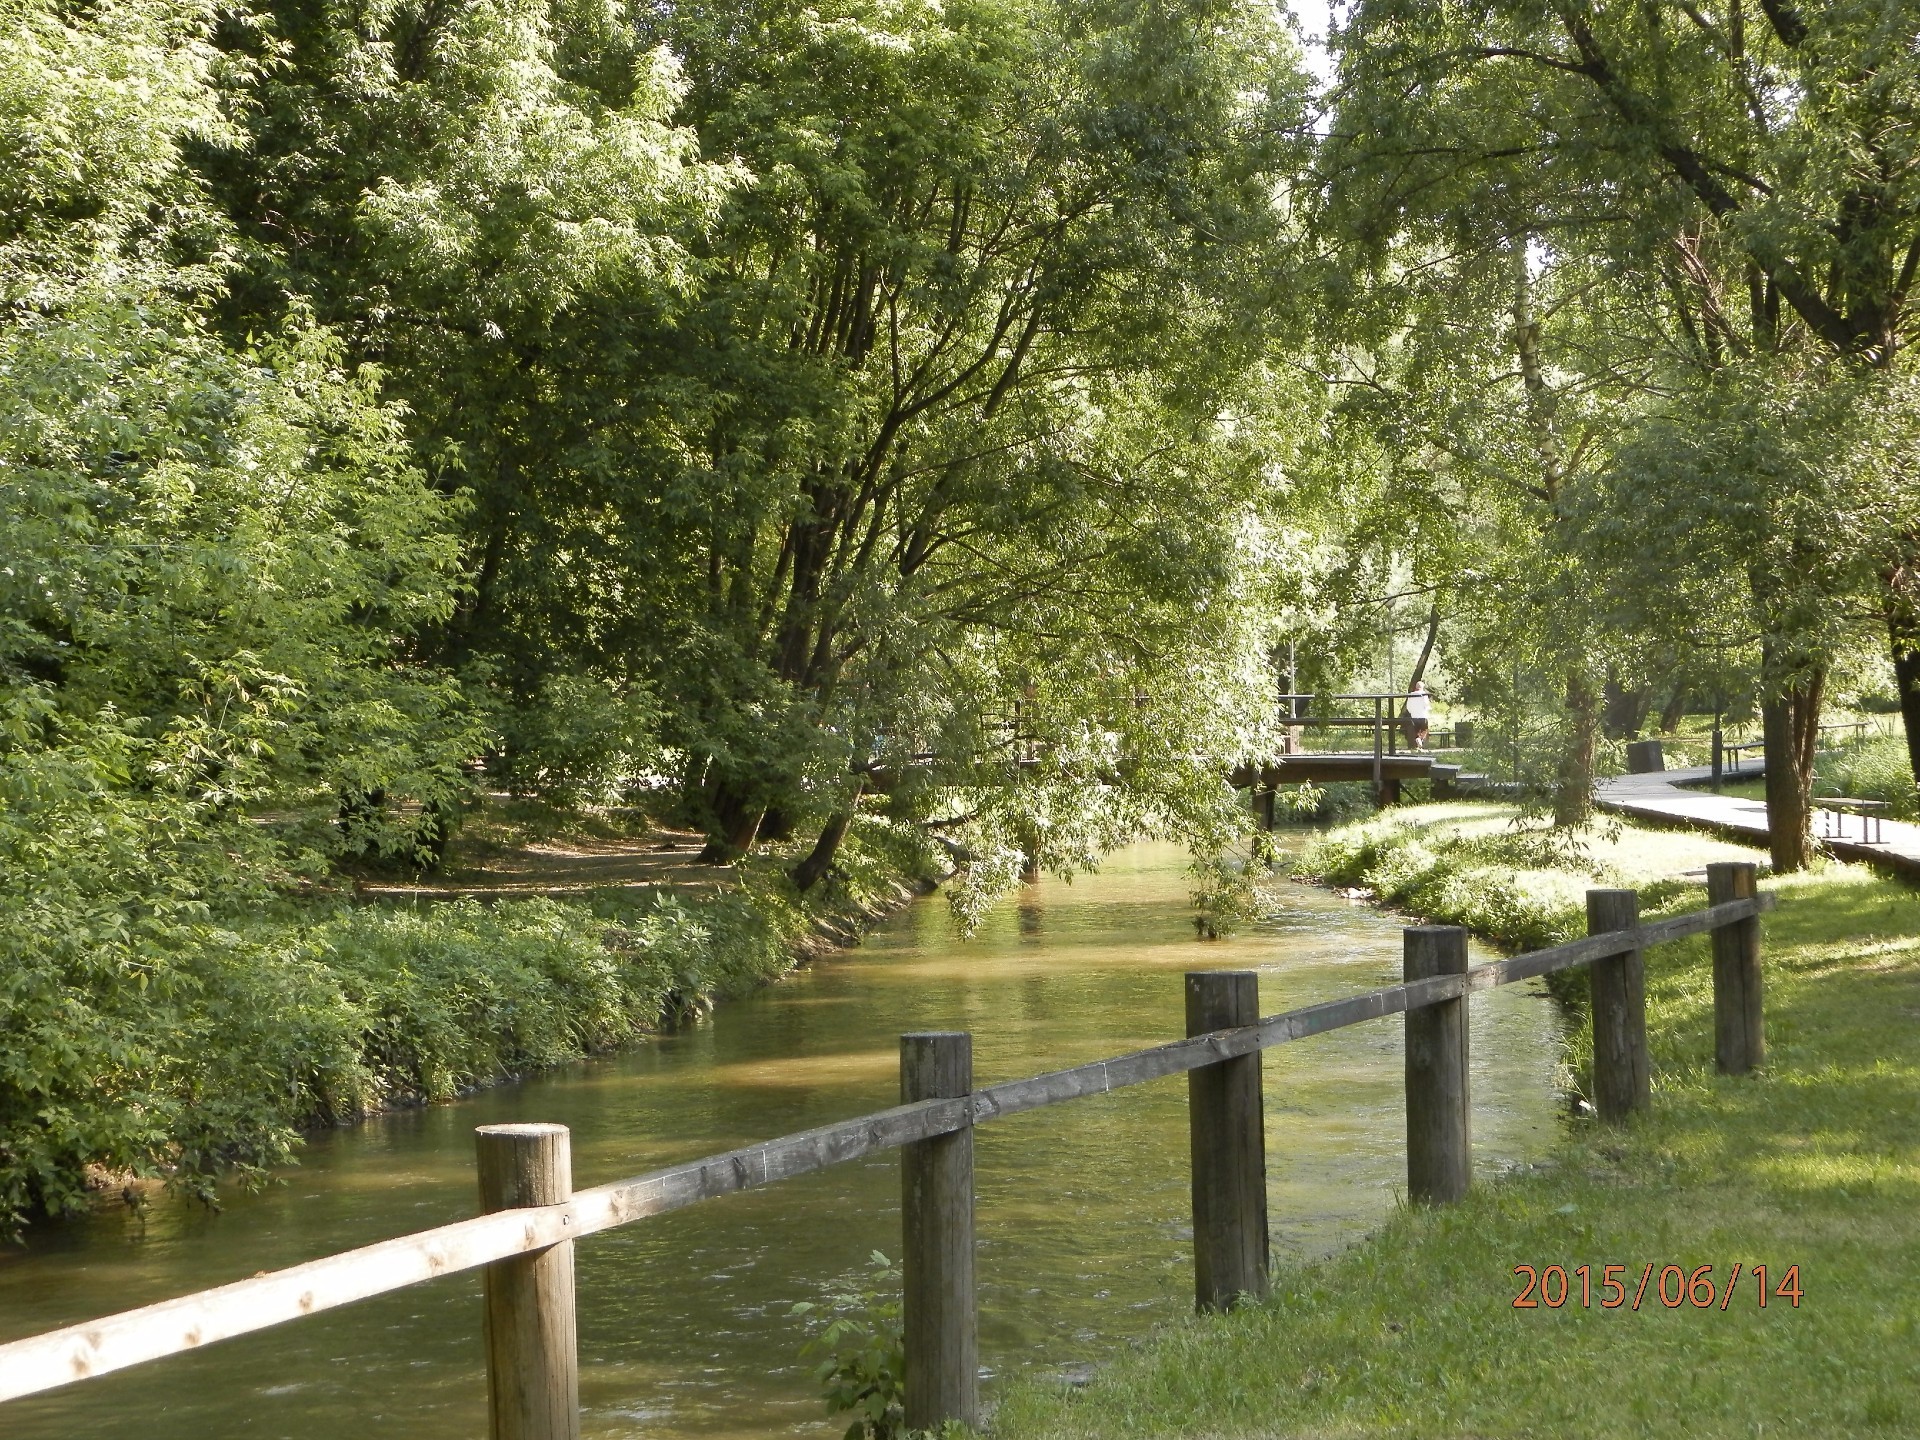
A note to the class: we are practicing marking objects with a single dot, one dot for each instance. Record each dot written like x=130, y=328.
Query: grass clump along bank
x=1521, y=883
x=1815, y=1163
x=199, y=1043
x=1877, y=769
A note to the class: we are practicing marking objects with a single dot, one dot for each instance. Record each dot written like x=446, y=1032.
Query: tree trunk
x=1573, y=796
x=820, y=859
x=1906, y=676
x=1791, y=721
x=733, y=824
x=1625, y=711
x=1674, y=711
x=1426, y=650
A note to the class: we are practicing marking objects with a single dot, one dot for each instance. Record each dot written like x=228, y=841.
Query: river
x=685, y=1323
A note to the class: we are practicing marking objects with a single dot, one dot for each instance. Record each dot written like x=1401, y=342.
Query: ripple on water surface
x=684, y=1323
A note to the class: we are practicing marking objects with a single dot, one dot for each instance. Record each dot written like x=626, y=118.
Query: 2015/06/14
x=1554, y=1287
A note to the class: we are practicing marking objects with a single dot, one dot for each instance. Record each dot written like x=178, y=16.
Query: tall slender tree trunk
x=1903, y=642
x=1906, y=675
x=1573, y=793
x=1426, y=650
x=1791, y=726
x=1675, y=710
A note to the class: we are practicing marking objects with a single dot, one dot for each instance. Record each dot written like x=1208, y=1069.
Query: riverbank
x=313, y=1011
x=1815, y=1164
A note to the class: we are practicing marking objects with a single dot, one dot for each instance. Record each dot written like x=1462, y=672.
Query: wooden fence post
x=1439, y=1123
x=1229, y=1147
x=533, y=1359
x=1739, y=1043
x=1622, y=1072
x=939, y=1312
x=1379, y=789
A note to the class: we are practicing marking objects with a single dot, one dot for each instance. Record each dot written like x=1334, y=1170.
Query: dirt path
x=495, y=855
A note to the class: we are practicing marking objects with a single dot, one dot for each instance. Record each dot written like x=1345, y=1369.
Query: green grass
x=1515, y=880
x=1815, y=1163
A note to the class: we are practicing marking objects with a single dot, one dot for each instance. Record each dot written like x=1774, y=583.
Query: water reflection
x=684, y=1319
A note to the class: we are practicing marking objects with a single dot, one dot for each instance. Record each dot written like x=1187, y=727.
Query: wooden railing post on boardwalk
x=1229, y=1147
x=939, y=1313
x=1439, y=1123
x=1739, y=1044
x=1622, y=1070
x=533, y=1359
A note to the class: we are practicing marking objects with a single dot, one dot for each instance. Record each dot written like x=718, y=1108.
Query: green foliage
x=862, y=1370
x=578, y=739
x=177, y=1044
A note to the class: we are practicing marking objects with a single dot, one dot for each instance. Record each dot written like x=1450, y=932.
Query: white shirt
x=1419, y=705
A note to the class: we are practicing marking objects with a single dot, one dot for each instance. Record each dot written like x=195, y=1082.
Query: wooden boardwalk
x=1665, y=798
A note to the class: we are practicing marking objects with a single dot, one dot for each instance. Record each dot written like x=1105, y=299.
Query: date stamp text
x=1615, y=1287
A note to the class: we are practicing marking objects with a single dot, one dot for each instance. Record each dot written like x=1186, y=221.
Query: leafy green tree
x=972, y=382
x=214, y=555
x=1741, y=183
x=489, y=202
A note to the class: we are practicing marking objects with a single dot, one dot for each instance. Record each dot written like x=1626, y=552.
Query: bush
x=189, y=1047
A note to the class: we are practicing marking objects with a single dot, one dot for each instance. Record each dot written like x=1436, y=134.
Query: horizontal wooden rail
x=97, y=1347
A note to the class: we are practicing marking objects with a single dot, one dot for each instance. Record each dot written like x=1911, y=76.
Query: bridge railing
x=526, y=1240
x=1379, y=714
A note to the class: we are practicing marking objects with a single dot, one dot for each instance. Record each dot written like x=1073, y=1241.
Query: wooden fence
x=525, y=1240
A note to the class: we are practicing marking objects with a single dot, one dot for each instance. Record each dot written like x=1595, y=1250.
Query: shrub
x=170, y=1044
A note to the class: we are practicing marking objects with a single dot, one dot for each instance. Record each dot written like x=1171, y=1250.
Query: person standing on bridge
x=1418, y=711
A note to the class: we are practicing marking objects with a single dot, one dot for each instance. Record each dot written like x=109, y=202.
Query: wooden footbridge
x=1384, y=764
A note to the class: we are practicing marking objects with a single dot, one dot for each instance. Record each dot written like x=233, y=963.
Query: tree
x=489, y=201
x=215, y=556
x=975, y=357
x=1742, y=183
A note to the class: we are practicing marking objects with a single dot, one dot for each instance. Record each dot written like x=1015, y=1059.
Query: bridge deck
x=1329, y=766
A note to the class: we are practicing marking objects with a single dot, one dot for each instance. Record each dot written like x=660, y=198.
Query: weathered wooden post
x=939, y=1314
x=1379, y=792
x=1439, y=1124
x=1739, y=1043
x=533, y=1360
x=1622, y=1071
x=1228, y=1134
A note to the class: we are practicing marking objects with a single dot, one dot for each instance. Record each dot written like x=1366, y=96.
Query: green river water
x=684, y=1319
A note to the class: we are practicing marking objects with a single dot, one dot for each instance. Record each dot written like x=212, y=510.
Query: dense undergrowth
x=194, y=1036
x=1814, y=1164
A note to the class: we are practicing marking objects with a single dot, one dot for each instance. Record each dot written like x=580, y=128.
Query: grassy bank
x=201, y=1048
x=1814, y=1164
x=1520, y=884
